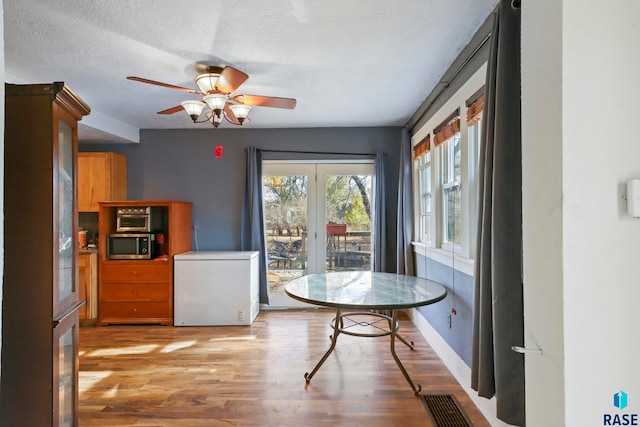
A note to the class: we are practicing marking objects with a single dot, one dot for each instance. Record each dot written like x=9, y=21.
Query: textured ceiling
x=348, y=63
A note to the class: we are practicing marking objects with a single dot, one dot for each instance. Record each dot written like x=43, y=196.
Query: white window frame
x=425, y=200
x=473, y=154
x=437, y=248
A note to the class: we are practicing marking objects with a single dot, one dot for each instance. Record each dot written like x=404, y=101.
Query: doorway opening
x=318, y=218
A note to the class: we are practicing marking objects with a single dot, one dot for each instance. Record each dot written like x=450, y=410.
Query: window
x=475, y=131
x=475, y=106
x=446, y=177
x=424, y=166
x=449, y=145
x=451, y=198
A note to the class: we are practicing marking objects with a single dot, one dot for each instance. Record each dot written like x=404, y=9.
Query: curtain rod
x=445, y=84
x=437, y=92
x=464, y=64
x=317, y=152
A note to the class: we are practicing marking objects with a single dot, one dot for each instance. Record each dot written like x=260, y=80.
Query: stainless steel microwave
x=129, y=245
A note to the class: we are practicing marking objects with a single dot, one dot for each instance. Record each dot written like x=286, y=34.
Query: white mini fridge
x=213, y=288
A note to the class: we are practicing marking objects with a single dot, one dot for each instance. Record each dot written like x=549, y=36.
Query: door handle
x=67, y=313
x=523, y=350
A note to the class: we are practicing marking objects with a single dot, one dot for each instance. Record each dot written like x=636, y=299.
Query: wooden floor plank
x=159, y=376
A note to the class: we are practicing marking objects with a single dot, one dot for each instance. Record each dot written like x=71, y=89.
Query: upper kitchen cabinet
x=40, y=298
x=102, y=177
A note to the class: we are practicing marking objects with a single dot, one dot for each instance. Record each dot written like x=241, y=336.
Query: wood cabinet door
x=102, y=177
x=94, y=180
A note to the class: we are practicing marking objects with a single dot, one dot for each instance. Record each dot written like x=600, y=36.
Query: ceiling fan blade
x=266, y=101
x=230, y=80
x=230, y=116
x=171, y=110
x=153, y=82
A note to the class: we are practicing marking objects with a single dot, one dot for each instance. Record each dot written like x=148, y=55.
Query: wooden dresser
x=141, y=291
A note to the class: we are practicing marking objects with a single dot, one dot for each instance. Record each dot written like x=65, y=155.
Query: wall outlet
x=240, y=315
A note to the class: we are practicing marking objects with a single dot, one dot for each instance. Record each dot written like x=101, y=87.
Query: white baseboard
x=457, y=366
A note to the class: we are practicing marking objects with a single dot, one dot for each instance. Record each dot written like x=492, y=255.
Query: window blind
x=473, y=98
x=474, y=111
x=446, y=132
x=422, y=147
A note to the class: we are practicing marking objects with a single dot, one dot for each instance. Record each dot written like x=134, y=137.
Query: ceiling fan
x=216, y=85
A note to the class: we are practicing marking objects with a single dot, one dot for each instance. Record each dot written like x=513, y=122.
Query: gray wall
x=460, y=296
x=180, y=164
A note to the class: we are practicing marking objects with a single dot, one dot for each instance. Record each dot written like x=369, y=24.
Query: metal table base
x=339, y=327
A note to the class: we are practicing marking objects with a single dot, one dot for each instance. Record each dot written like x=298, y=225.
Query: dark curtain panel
x=498, y=320
x=252, y=234
x=379, y=216
x=404, y=256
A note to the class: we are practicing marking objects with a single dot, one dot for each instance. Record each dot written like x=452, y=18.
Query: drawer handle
x=135, y=272
x=135, y=291
x=135, y=310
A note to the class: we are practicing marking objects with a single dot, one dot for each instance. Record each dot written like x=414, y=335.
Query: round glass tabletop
x=365, y=290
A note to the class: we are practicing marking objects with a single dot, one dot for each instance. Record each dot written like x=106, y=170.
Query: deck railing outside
x=287, y=255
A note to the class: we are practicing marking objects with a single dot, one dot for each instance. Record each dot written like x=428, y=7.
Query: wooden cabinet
x=88, y=287
x=102, y=176
x=141, y=291
x=137, y=292
x=40, y=304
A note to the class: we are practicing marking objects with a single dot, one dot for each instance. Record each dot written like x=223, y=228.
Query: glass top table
x=377, y=293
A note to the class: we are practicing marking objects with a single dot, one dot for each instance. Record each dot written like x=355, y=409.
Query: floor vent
x=444, y=410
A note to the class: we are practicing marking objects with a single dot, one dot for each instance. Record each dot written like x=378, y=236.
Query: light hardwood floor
x=158, y=376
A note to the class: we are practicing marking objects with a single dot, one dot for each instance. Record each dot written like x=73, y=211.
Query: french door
x=318, y=218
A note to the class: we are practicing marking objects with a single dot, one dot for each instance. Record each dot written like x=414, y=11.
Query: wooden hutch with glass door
x=39, y=379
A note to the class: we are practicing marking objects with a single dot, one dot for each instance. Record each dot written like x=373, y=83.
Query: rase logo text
x=620, y=401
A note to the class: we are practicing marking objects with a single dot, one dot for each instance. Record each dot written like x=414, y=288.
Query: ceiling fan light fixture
x=193, y=108
x=216, y=101
x=217, y=86
x=207, y=82
x=241, y=111
x=215, y=119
